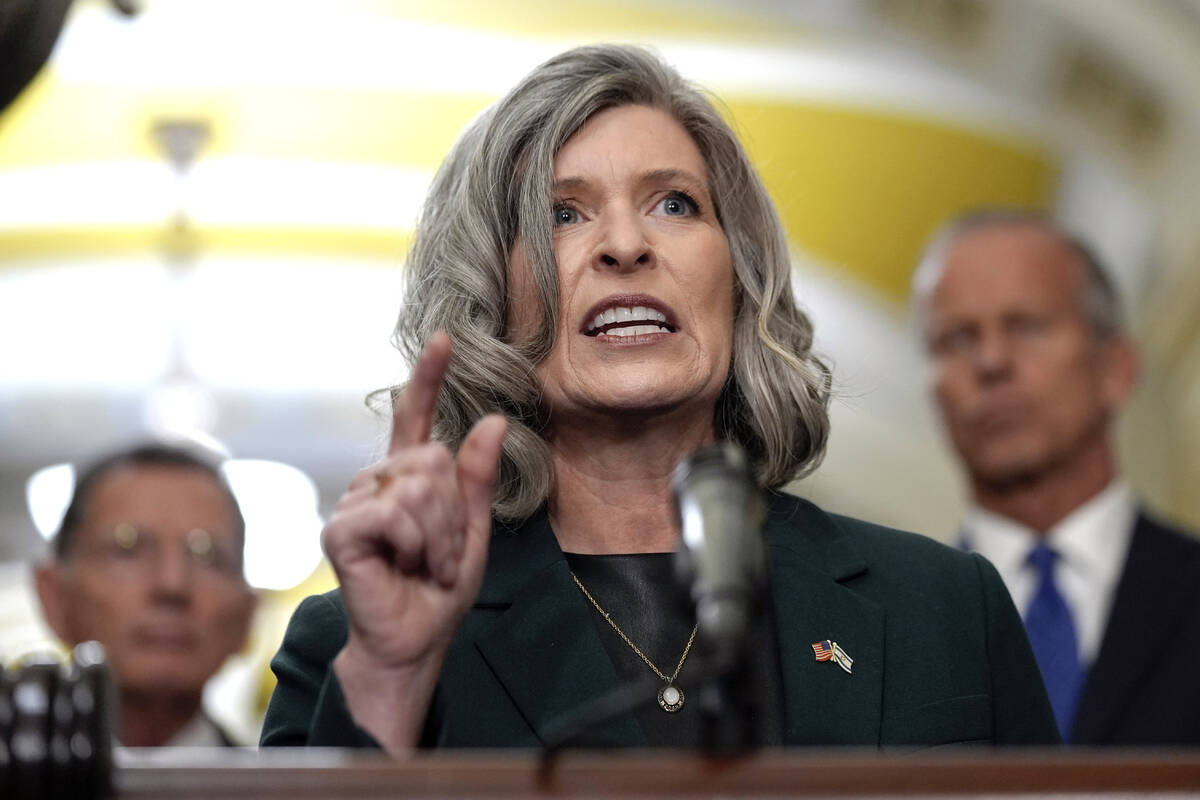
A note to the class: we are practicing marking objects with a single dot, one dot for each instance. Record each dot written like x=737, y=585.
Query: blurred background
x=205, y=206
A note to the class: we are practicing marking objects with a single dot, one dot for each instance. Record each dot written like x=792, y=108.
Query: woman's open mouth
x=625, y=317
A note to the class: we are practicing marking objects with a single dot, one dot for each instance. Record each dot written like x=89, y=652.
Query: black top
x=639, y=592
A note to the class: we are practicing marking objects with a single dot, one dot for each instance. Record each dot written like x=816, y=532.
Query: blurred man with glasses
x=148, y=561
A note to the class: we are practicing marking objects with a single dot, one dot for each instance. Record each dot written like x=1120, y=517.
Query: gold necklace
x=670, y=697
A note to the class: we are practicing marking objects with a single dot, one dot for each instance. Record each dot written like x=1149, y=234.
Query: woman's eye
x=678, y=204
x=565, y=215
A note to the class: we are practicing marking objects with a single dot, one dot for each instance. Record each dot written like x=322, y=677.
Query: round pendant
x=670, y=698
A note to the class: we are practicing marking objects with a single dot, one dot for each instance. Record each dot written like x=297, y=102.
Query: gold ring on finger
x=382, y=479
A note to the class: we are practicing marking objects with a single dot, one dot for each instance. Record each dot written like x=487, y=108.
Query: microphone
x=722, y=559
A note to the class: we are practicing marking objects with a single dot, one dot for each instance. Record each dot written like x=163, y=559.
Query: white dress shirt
x=200, y=732
x=1092, y=542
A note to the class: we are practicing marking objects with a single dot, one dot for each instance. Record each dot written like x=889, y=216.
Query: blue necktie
x=1052, y=634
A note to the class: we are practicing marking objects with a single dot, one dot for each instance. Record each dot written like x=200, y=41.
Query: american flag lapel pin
x=826, y=650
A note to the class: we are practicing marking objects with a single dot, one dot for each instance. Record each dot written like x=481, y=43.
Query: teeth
x=635, y=330
x=626, y=314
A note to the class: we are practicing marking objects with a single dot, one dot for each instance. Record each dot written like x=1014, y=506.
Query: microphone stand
x=729, y=704
x=722, y=562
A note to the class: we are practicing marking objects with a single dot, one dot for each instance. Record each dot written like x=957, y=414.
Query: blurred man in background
x=1030, y=366
x=148, y=561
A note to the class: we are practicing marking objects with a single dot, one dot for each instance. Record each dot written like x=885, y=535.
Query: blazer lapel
x=1152, y=600
x=544, y=648
x=810, y=557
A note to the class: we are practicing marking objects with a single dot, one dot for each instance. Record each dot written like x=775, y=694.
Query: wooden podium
x=222, y=774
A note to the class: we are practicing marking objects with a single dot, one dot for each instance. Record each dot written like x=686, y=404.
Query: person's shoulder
x=1175, y=543
x=319, y=618
x=870, y=538
x=885, y=561
x=919, y=579
x=326, y=604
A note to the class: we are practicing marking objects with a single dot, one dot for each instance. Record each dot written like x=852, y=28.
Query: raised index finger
x=412, y=408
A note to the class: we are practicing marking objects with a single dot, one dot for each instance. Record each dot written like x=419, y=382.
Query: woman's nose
x=623, y=245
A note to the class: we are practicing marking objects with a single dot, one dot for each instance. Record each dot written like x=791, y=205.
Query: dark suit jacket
x=1144, y=687
x=940, y=655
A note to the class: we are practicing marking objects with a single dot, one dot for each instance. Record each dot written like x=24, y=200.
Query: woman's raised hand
x=408, y=542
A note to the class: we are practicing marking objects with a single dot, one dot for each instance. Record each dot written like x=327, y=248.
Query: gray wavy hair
x=496, y=184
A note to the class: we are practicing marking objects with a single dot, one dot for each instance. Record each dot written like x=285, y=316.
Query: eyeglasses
x=133, y=550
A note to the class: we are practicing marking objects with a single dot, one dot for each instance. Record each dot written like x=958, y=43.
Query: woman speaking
x=599, y=287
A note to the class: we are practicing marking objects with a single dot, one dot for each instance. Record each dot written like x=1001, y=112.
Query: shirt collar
x=1002, y=541
x=200, y=732
x=1092, y=538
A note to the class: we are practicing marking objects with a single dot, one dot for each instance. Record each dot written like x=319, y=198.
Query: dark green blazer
x=940, y=655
